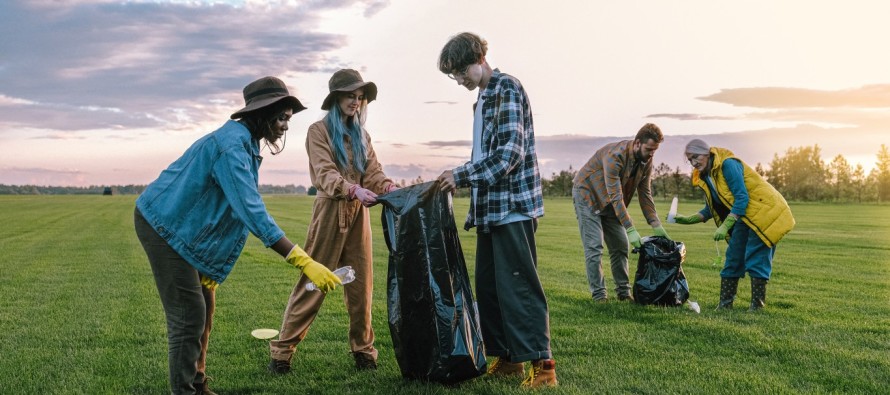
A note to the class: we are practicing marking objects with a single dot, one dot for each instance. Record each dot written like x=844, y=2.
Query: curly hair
x=650, y=131
x=259, y=123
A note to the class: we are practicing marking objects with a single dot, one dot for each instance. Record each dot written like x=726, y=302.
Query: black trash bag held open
x=433, y=319
x=660, y=279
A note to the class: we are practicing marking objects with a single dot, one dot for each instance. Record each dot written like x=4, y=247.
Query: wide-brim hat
x=265, y=92
x=348, y=80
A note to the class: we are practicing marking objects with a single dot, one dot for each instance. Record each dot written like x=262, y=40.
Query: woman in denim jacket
x=193, y=221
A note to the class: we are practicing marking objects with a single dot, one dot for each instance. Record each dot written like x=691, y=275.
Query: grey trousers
x=513, y=311
x=188, y=308
x=597, y=226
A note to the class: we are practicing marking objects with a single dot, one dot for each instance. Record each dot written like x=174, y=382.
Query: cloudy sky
x=98, y=92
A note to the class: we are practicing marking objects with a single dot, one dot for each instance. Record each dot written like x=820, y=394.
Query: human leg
x=616, y=241
x=758, y=264
x=210, y=302
x=733, y=267
x=592, y=241
x=324, y=243
x=525, y=319
x=358, y=294
x=179, y=288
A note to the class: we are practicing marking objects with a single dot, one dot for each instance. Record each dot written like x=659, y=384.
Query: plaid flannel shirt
x=507, y=176
x=608, y=178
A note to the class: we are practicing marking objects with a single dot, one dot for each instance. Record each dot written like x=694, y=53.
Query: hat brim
x=293, y=101
x=370, y=93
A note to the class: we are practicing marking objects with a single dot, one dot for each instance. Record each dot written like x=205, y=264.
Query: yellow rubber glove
x=323, y=278
x=659, y=231
x=724, y=228
x=634, y=237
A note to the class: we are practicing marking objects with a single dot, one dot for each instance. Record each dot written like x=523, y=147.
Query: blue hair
x=352, y=128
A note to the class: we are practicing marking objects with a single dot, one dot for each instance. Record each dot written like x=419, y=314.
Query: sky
x=96, y=92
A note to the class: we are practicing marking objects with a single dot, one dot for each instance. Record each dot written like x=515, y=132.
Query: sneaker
x=364, y=361
x=279, y=366
x=203, y=388
x=628, y=297
x=542, y=374
x=502, y=368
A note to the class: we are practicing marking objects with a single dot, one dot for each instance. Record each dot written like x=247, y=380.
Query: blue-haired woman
x=344, y=169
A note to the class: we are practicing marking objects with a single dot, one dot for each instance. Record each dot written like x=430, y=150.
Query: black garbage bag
x=660, y=279
x=433, y=319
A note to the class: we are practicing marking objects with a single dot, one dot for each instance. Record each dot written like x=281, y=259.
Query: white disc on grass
x=264, y=333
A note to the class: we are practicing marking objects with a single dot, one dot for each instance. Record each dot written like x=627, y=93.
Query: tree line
x=800, y=175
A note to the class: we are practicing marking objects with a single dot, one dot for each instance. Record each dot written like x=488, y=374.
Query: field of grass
x=80, y=313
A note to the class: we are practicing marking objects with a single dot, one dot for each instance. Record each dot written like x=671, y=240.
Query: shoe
x=728, y=288
x=502, y=368
x=364, y=361
x=758, y=293
x=203, y=388
x=622, y=298
x=542, y=374
x=601, y=299
x=279, y=366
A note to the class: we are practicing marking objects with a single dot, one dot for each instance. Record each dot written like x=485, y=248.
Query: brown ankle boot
x=500, y=367
x=541, y=374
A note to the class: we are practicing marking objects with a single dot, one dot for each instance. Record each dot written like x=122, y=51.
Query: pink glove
x=363, y=195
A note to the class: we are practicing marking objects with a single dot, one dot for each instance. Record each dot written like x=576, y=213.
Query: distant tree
x=312, y=191
x=801, y=174
x=759, y=169
x=840, y=171
x=858, y=182
x=560, y=184
x=660, y=177
x=882, y=174
x=300, y=189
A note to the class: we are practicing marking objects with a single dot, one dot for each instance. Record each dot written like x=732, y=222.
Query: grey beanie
x=698, y=147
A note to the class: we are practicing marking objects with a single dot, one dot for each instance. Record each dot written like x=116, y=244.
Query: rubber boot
x=728, y=288
x=758, y=293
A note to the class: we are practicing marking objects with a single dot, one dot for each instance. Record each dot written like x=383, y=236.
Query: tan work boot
x=502, y=368
x=542, y=374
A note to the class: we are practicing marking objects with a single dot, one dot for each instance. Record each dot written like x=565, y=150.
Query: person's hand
x=365, y=196
x=446, y=181
x=392, y=187
x=659, y=231
x=323, y=278
x=687, y=220
x=634, y=237
x=724, y=228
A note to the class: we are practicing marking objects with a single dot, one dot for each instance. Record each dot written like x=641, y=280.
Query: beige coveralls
x=339, y=235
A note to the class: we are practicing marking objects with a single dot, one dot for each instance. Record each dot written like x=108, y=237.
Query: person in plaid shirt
x=506, y=201
x=602, y=190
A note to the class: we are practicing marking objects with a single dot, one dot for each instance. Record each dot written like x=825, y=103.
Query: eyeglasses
x=461, y=74
x=695, y=159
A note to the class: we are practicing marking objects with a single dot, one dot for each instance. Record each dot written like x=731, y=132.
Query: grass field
x=80, y=313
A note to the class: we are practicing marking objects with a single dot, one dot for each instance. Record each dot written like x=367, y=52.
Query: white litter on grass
x=693, y=305
x=673, y=212
x=264, y=333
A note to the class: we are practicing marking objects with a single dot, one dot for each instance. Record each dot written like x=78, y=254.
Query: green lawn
x=80, y=313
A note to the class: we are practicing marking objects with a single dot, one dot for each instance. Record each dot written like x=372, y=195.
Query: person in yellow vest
x=750, y=215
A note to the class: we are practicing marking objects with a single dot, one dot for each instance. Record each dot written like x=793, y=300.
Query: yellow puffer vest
x=767, y=214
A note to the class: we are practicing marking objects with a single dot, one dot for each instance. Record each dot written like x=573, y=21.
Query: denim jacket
x=206, y=201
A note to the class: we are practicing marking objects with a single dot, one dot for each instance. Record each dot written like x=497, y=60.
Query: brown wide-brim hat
x=348, y=80
x=265, y=92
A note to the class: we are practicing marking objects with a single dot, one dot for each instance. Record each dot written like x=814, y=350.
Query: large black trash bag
x=660, y=279
x=432, y=314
